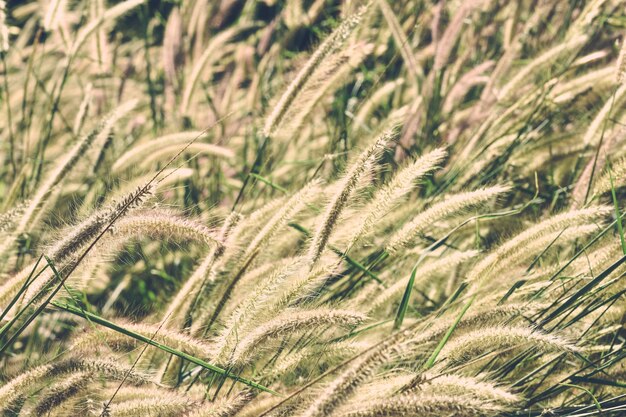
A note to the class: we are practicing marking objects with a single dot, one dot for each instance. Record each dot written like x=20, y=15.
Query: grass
x=312, y=208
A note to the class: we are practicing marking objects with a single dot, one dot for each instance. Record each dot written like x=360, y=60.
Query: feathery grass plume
x=225, y=407
x=159, y=405
x=306, y=285
x=81, y=115
x=84, y=232
x=213, y=52
x=489, y=339
x=4, y=29
x=387, y=384
x=441, y=265
x=193, y=149
x=135, y=392
x=566, y=91
x=518, y=255
x=140, y=151
x=109, y=15
x=466, y=385
x=445, y=45
x=337, y=351
x=250, y=226
x=22, y=384
x=170, y=177
x=402, y=43
x=596, y=127
x=497, y=119
x=260, y=275
x=394, y=190
x=478, y=319
x=15, y=388
x=100, y=46
x=452, y=205
x=592, y=263
x=9, y=218
x=70, y=386
x=155, y=223
x=71, y=158
x=584, y=21
x=290, y=208
x=55, y=13
x=464, y=84
x=155, y=149
x=333, y=44
x=377, y=98
x=549, y=57
x=338, y=390
x=328, y=76
x=346, y=186
x=617, y=171
x=108, y=367
x=252, y=307
x=64, y=252
x=620, y=65
x=424, y=405
x=290, y=321
x=179, y=309
x=506, y=252
x=594, y=165
x=116, y=341
x=172, y=53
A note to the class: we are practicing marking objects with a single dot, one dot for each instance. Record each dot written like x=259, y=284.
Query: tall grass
x=312, y=208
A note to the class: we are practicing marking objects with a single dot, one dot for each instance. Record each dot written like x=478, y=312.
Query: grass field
x=312, y=208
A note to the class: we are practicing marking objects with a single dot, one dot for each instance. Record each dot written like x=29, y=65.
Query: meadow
x=310, y=208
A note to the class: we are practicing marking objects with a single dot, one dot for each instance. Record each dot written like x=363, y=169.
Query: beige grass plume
x=292, y=321
x=69, y=161
x=495, y=261
x=33, y=378
x=4, y=29
x=159, y=405
x=616, y=172
x=163, y=223
x=65, y=251
x=340, y=199
x=178, y=310
x=488, y=339
x=332, y=44
x=424, y=405
x=156, y=148
x=54, y=15
x=291, y=207
x=394, y=190
x=450, y=206
x=620, y=65
x=478, y=388
x=92, y=341
x=250, y=309
x=71, y=386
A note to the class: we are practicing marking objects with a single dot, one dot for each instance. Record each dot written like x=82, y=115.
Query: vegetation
x=312, y=208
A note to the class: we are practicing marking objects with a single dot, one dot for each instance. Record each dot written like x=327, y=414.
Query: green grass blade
x=268, y=182
x=404, y=304
x=431, y=361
